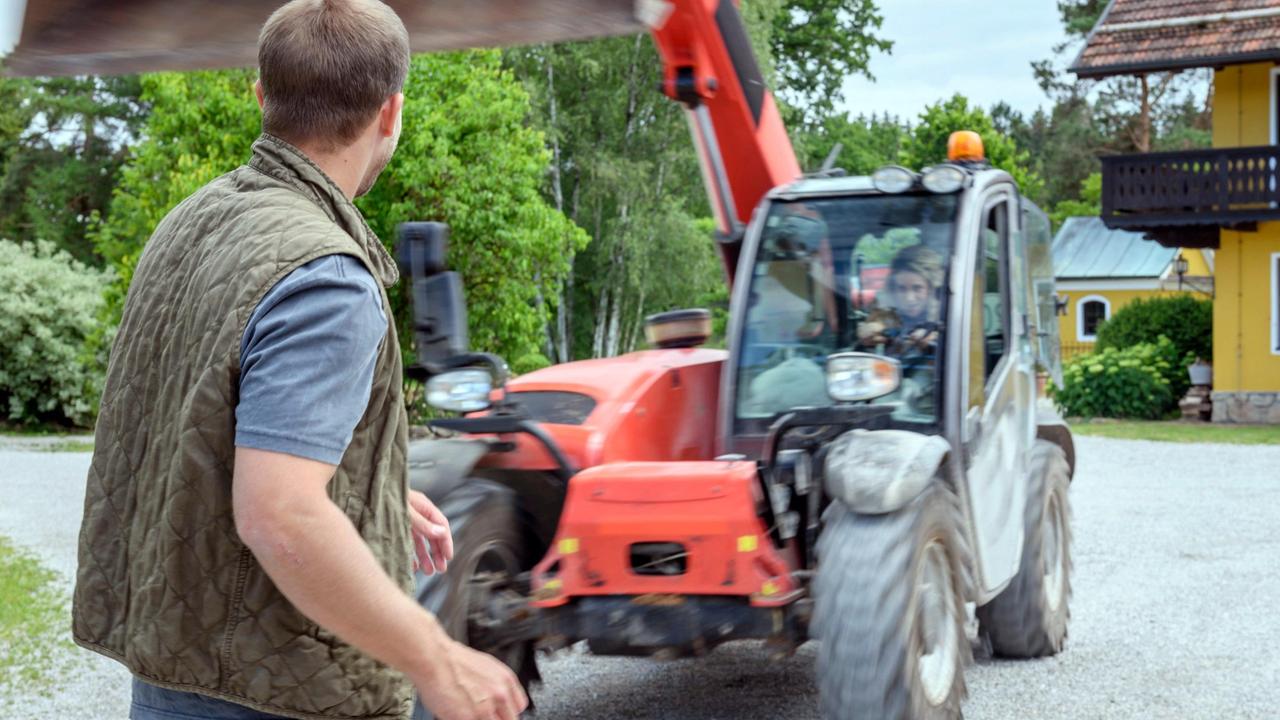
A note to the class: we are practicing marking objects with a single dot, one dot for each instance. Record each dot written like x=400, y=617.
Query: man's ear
x=257, y=90
x=389, y=115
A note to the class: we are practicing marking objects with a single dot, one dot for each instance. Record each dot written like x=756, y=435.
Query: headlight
x=861, y=376
x=893, y=179
x=460, y=390
x=943, y=179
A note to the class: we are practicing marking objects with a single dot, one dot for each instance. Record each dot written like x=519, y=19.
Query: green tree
x=866, y=142
x=15, y=114
x=57, y=171
x=1079, y=16
x=624, y=169
x=927, y=143
x=201, y=126
x=1089, y=204
x=465, y=157
x=816, y=44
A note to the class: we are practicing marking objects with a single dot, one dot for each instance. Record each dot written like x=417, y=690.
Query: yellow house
x=1226, y=198
x=1098, y=270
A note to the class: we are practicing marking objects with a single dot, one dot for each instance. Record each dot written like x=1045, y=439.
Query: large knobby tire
x=889, y=611
x=488, y=537
x=1029, y=618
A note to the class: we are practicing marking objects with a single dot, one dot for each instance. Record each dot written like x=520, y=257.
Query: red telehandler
x=870, y=456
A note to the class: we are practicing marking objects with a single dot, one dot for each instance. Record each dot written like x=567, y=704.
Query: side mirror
x=439, y=309
x=854, y=376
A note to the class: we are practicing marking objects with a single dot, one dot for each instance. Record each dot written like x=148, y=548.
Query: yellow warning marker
x=769, y=588
x=748, y=543
x=568, y=546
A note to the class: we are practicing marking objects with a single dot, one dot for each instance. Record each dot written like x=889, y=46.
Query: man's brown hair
x=326, y=66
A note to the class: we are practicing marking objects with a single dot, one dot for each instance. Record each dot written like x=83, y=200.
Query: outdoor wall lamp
x=1180, y=266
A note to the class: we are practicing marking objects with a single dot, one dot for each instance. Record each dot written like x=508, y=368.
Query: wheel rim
x=938, y=625
x=493, y=558
x=1054, y=541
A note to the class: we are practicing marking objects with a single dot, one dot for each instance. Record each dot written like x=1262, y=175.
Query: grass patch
x=37, y=429
x=33, y=616
x=66, y=446
x=1179, y=432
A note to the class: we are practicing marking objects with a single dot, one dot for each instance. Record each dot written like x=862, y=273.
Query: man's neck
x=345, y=167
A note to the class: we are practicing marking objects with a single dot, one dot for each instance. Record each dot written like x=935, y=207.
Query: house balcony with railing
x=1182, y=198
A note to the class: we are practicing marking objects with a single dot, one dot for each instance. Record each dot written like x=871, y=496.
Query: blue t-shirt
x=306, y=371
x=306, y=360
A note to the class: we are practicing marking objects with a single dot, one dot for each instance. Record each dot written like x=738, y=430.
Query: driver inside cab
x=908, y=324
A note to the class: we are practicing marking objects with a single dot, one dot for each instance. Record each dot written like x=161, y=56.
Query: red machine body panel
x=709, y=508
x=650, y=405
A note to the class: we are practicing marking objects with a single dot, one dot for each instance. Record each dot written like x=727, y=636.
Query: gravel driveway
x=1177, y=575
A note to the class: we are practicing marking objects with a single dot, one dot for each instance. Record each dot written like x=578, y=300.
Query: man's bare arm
x=320, y=563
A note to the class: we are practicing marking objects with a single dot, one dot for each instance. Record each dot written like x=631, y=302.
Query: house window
x=1275, y=303
x=1091, y=311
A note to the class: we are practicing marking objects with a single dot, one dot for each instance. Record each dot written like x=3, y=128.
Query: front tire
x=889, y=611
x=488, y=538
x=1029, y=618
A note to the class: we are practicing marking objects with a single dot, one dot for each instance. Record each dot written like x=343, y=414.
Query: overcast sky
x=10, y=23
x=981, y=48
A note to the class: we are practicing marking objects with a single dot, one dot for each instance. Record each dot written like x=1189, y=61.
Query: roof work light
x=943, y=179
x=893, y=179
x=965, y=146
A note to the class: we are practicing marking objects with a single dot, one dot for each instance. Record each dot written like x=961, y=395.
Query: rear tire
x=488, y=537
x=1029, y=618
x=889, y=611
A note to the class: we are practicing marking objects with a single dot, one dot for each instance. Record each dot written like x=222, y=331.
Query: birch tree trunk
x=555, y=333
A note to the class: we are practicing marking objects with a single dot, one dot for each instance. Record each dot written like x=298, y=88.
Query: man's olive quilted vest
x=164, y=584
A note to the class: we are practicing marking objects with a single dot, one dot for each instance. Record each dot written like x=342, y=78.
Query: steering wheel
x=918, y=362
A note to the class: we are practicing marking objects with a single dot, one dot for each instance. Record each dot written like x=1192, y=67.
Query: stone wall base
x=1247, y=407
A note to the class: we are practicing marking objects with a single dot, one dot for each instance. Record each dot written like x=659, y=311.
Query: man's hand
x=470, y=685
x=431, y=536
x=871, y=333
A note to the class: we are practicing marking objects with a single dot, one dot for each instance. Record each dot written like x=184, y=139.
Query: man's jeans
x=155, y=703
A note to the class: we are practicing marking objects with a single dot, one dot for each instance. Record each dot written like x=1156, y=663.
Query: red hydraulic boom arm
x=743, y=148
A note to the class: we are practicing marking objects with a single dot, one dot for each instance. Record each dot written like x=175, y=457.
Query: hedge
x=1137, y=382
x=49, y=305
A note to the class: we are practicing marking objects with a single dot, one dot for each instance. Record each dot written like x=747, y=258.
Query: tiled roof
x=1084, y=248
x=1150, y=35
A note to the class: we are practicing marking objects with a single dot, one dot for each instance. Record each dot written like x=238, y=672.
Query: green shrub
x=49, y=305
x=529, y=363
x=1186, y=321
x=1136, y=382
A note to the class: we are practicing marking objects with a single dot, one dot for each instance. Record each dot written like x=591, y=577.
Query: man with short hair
x=249, y=537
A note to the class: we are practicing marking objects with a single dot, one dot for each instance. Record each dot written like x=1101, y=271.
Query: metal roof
x=823, y=185
x=1135, y=36
x=1085, y=248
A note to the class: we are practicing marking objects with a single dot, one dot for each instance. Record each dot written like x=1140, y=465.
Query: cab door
x=997, y=428
x=1044, y=297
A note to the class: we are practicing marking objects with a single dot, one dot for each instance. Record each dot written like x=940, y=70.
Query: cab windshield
x=855, y=273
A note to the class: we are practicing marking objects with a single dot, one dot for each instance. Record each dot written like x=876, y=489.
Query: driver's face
x=910, y=293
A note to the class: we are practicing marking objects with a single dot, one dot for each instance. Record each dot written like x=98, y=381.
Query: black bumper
x=671, y=626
